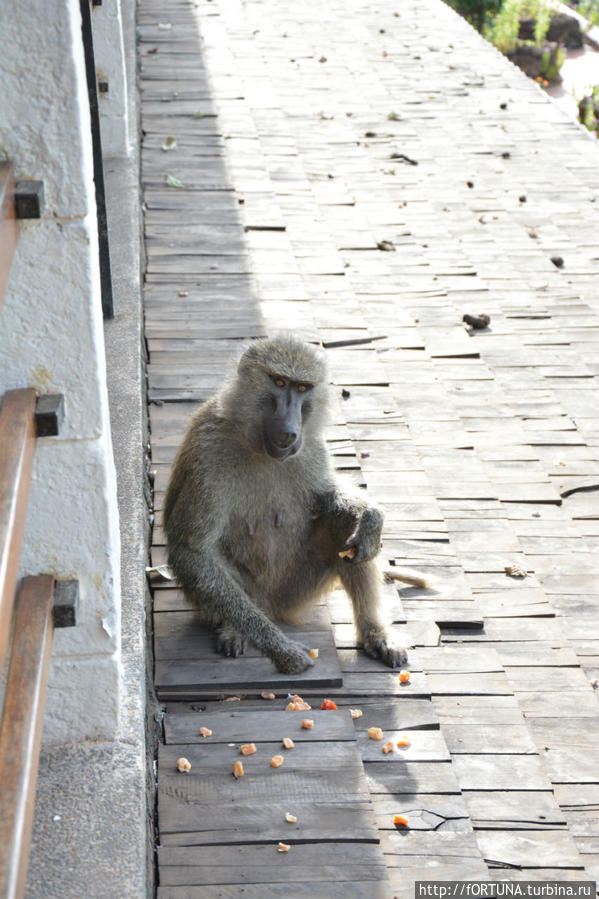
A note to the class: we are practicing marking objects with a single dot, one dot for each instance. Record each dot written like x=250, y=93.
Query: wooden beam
x=9, y=232
x=21, y=728
x=17, y=446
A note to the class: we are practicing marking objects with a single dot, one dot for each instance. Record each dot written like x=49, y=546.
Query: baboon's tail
x=407, y=576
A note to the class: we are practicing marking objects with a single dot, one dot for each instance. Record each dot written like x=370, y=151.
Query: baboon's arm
x=202, y=573
x=368, y=521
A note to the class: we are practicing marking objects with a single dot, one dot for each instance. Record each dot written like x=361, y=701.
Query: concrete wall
x=51, y=337
x=110, y=69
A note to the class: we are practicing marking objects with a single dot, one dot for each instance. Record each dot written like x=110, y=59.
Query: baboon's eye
x=279, y=382
x=301, y=388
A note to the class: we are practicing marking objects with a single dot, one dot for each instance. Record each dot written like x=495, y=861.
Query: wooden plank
x=17, y=447
x=500, y=772
x=187, y=665
x=357, y=890
x=254, y=727
x=427, y=745
x=184, y=823
x=325, y=863
x=9, y=233
x=529, y=849
x=21, y=727
x=524, y=810
x=411, y=777
x=433, y=812
x=489, y=739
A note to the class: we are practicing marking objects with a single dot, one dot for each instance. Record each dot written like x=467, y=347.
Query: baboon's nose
x=286, y=439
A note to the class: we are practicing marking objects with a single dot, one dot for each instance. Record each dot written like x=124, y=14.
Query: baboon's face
x=287, y=407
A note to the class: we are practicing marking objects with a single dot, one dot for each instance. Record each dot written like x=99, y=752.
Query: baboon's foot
x=293, y=658
x=229, y=642
x=382, y=646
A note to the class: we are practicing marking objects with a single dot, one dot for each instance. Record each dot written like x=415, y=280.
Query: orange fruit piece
x=387, y=747
x=356, y=713
x=403, y=742
x=400, y=820
x=328, y=704
x=276, y=761
x=298, y=707
x=283, y=847
x=288, y=743
x=313, y=653
x=307, y=723
x=238, y=769
x=183, y=765
x=205, y=732
x=375, y=733
x=248, y=749
x=404, y=677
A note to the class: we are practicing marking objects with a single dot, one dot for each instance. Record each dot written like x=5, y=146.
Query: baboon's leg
x=363, y=585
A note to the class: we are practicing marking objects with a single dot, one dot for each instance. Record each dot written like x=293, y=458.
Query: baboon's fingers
x=230, y=644
x=386, y=650
x=294, y=659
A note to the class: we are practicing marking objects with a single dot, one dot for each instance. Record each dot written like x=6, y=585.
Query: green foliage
x=541, y=12
x=477, y=12
x=503, y=31
x=590, y=10
x=588, y=110
x=551, y=62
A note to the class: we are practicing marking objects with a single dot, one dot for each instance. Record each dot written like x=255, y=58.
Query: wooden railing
x=29, y=613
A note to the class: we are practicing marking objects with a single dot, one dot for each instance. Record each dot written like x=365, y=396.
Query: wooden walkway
x=365, y=176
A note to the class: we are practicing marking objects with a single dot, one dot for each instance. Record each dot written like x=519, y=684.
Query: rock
x=563, y=29
x=529, y=58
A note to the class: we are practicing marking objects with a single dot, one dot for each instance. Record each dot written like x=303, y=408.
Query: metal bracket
x=29, y=199
x=65, y=607
x=49, y=414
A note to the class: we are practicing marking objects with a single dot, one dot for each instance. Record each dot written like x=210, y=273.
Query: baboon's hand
x=229, y=642
x=382, y=646
x=293, y=658
x=366, y=542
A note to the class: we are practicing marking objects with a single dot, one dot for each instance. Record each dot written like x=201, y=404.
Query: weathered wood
x=529, y=849
x=428, y=745
x=524, y=810
x=411, y=777
x=359, y=889
x=439, y=812
x=325, y=863
x=21, y=727
x=500, y=772
x=9, y=233
x=192, y=823
x=17, y=447
x=252, y=727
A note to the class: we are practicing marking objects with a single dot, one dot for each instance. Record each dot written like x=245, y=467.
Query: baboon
x=254, y=515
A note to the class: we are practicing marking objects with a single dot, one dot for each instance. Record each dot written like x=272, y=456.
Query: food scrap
x=183, y=765
x=403, y=742
x=205, y=732
x=288, y=743
x=283, y=847
x=404, y=677
x=356, y=713
x=375, y=733
x=348, y=553
x=313, y=653
x=290, y=818
x=328, y=704
x=400, y=820
x=248, y=749
x=238, y=769
x=307, y=723
x=276, y=761
x=387, y=747
x=297, y=707
x=268, y=695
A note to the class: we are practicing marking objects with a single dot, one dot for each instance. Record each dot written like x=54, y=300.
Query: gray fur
x=253, y=539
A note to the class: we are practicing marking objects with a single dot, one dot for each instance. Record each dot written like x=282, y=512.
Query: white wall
x=51, y=337
x=110, y=66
